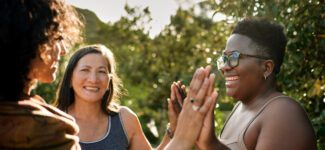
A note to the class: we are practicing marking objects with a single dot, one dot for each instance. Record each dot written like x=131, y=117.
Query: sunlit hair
x=65, y=94
x=26, y=27
x=268, y=36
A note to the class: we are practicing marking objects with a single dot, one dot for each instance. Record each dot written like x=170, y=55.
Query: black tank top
x=115, y=138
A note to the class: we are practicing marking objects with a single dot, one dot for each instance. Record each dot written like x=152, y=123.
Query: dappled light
x=148, y=66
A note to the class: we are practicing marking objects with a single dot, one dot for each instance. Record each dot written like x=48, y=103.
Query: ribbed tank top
x=237, y=142
x=115, y=138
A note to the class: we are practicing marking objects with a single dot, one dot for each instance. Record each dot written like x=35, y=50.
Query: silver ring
x=195, y=108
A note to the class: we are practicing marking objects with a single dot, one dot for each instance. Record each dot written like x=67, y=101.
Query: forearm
x=164, y=142
x=178, y=144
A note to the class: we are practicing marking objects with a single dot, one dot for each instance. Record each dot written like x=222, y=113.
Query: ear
x=268, y=66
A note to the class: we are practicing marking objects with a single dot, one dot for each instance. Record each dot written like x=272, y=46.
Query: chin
x=232, y=93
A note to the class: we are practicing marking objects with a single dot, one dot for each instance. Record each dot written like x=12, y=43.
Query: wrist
x=179, y=144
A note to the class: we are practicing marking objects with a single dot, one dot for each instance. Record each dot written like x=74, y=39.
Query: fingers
x=173, y=100
x=172, y=115
x=171, y=109
x=202, y=92
x=211, y=81
x=207, y=70
x=208, y=104
x=178, y=94
x=181, y=92
x=197, y=79
x=205, y=90
x=202, y=85
x=214, y=95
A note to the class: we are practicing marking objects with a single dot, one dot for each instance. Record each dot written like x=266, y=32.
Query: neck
x=82, y=110
x=259, y=96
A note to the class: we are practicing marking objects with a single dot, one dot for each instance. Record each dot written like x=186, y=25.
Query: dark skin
x=290, y=129
x=283, y=124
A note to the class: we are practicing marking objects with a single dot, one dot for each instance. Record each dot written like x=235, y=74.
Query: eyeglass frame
x=221, y=59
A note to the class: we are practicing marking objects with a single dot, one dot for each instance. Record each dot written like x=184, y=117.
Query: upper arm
x=285, y=125
x=136, y=137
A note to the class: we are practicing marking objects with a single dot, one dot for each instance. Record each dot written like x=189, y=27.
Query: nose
x=224, y=68
x=63, y=48
x=92, y=77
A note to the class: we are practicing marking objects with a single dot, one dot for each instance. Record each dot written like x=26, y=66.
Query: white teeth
x=92, y=88
x=232, y=78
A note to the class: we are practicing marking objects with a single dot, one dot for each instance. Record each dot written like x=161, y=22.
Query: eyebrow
x=88, y=66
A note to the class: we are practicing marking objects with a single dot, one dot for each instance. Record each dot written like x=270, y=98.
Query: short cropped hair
x=267, y=35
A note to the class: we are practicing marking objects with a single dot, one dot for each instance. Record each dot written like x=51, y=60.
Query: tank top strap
x=115, y=138
x=263, y=107
x=241, y=135
x=231, y=113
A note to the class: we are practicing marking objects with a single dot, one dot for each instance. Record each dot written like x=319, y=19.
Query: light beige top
x=237, y=142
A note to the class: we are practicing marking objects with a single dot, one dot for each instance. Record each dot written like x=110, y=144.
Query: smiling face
x=90, y=78
x=246, y=78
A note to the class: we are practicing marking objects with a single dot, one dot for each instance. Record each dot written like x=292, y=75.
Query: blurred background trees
x=195, y=38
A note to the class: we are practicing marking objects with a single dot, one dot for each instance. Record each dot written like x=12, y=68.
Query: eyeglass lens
x=231, y=60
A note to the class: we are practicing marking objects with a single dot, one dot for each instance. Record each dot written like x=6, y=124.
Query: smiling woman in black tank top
x=88, y=91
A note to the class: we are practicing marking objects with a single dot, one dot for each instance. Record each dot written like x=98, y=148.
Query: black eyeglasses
x=232, y=59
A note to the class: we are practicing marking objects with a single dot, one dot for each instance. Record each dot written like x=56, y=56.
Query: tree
x=148, y=66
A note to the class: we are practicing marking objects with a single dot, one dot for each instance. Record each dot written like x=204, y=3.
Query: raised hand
x=194, y=110
x=207, y=135
x=177, y=97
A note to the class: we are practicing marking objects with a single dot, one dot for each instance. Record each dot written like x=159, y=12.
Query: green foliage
x=148, y=66
x=302, y=76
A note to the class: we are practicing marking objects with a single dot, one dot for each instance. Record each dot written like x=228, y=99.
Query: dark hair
x=65, y=95
x=268, y=36
x=25, y=27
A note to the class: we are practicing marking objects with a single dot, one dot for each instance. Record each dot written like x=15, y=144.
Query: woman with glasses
x=263, y=117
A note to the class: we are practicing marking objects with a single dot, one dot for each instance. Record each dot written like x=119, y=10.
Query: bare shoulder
x=132, y=126
x=129, y=117
x=127, y=112
x=286, y=108
x=130, y=120
x=285, y=104
x=286, y=124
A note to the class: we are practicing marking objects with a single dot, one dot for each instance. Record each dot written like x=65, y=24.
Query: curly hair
x=65, y=94
x=25, y=27
x=268, y=36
